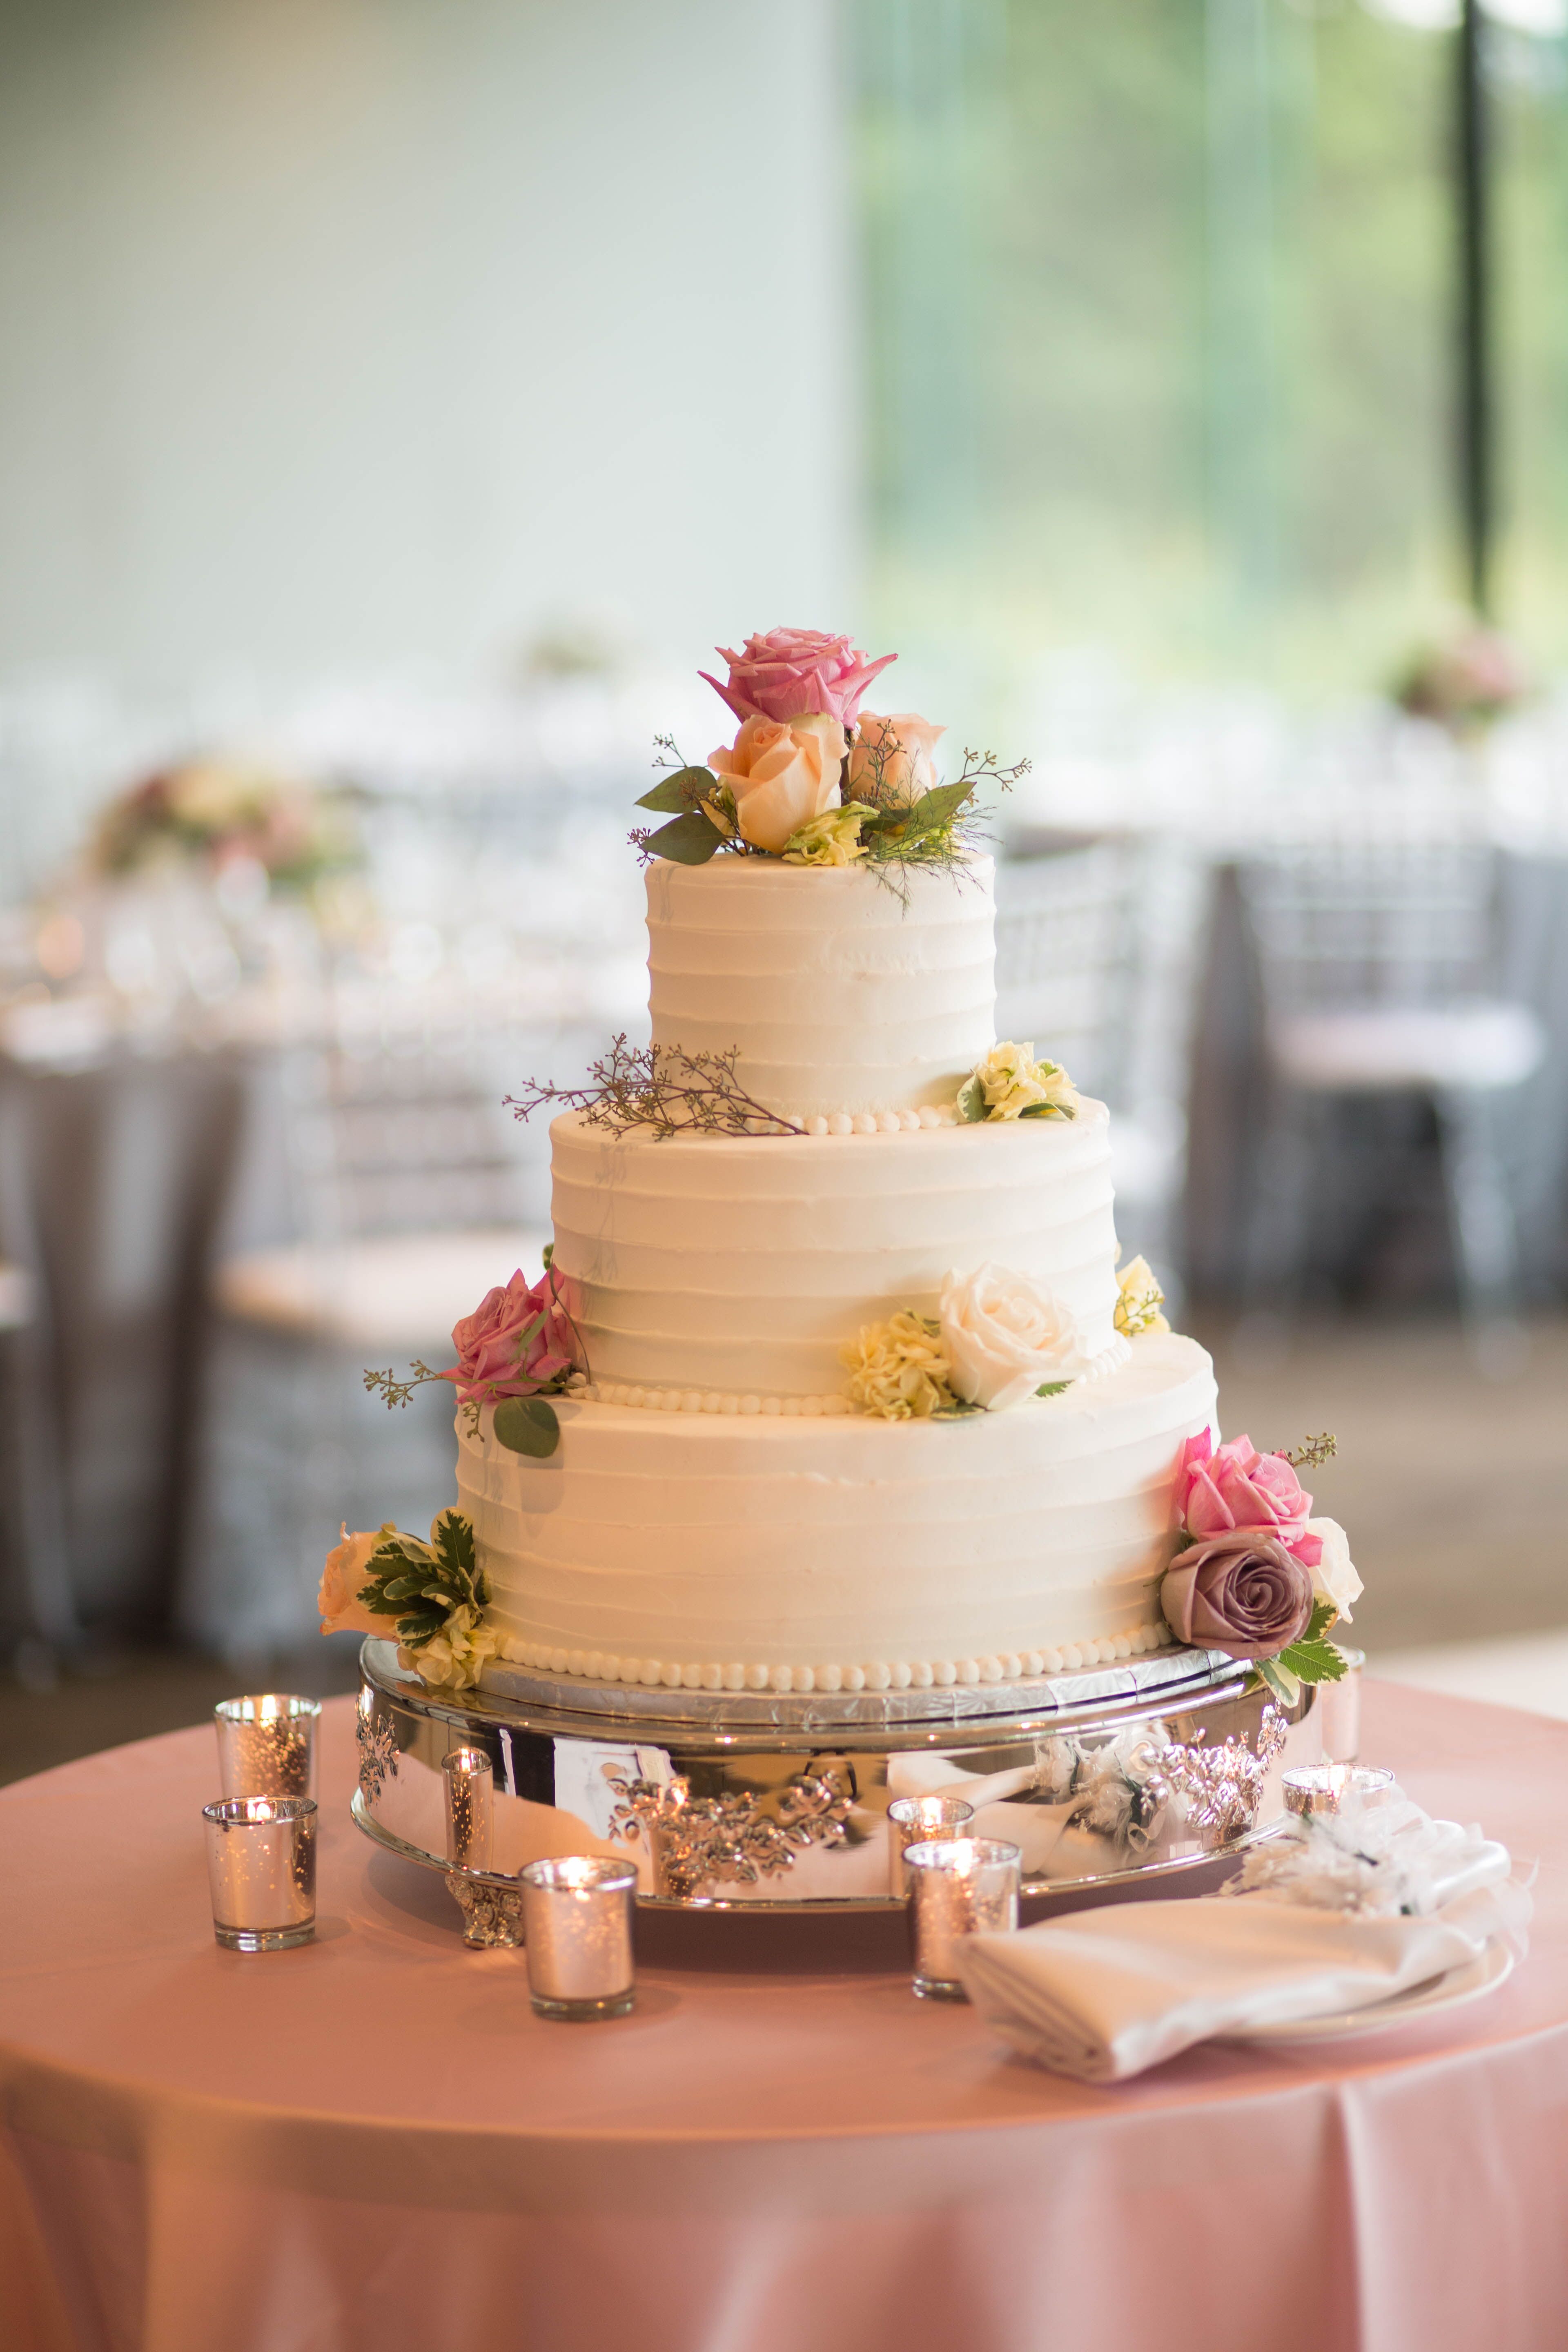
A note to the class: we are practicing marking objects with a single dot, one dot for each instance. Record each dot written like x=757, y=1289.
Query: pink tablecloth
x=371, y=2142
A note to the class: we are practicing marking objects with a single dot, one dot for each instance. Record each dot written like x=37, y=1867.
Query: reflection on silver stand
x=1117, y=1777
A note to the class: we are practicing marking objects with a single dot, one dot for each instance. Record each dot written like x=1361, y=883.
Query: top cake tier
x=840, y=994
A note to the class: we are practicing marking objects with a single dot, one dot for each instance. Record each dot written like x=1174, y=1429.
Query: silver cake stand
x=1115, y=1779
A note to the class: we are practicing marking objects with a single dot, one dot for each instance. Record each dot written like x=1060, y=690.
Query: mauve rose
x=348, y=1565
x=790, y=673
x=1241, y=1592
x=1234, y=1486
x=494, y=1360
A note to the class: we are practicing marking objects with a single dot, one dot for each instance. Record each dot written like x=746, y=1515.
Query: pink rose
x=1241, y=1592
x=790, y=673
x=348, y=1565
x=1236, y=1487
x=893, y=760
x=782, y=776
x=514, y=1343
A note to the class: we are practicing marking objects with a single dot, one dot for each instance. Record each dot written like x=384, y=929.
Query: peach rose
x=893, y=760
x=348, y=1564
x=782, y=776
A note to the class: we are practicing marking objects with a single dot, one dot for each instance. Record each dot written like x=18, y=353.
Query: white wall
x=350, y=335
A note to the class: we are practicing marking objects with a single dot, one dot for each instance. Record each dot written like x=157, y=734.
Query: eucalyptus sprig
x=662, y=1088
x=422, y=1584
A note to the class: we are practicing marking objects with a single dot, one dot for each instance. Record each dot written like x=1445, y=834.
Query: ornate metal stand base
x=738, y=1801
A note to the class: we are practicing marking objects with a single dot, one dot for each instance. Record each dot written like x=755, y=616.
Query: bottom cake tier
x=690, y=1550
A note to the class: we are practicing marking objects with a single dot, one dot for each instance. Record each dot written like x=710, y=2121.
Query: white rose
x=782, y=776
x=1334, y=1579
x=1005, y=1336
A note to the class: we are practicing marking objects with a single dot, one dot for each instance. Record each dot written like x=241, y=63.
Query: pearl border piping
x=787, y=1408
x=942, y=1673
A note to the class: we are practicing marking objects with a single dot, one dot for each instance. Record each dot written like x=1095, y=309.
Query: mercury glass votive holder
x=957, y=1887
x=577, y=1924
x=267, y=1745
x=918, y=1821
x=470, y=1778
x=1338, y=1710
x=1323, y=1788
x=262, y=1869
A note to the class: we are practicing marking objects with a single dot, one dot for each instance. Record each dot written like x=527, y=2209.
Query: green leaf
x=1052, y=1387
x=1049, y=1110
x=935, y=810
x=1313, y=1662
x=681, y=791
x=689, y=840
x=972, y=1103
x=1277, y=1677
x=549, y=1256
x=959, y=1412
x=527, y=1425
x=1322, y=1617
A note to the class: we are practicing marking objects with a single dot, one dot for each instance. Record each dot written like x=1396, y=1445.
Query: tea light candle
x=262, y=1869
x=577, y=1923
x=1323, y=1788
x=957, y=1887
x=1338, y=1710
x=267, y=1745
x=470, y=1778
x=916, y=1820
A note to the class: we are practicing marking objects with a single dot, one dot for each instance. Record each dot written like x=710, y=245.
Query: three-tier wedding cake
x=831, y=1383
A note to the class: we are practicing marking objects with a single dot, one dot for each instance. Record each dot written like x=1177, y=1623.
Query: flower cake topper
x=811, y=778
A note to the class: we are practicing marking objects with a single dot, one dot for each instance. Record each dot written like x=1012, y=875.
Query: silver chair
x=413, y=1192
x=1378, y=965
x=1096, y=951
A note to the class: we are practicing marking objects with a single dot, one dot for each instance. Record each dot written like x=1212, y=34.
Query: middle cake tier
x=739, y=1266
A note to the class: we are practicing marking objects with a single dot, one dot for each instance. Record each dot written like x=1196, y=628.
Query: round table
x=372, y=2142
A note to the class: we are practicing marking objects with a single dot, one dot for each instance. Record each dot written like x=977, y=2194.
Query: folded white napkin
x=1345, y=1918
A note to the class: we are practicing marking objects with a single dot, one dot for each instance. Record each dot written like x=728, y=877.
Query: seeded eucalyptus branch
x=660, y=1086
x=1312, y=1452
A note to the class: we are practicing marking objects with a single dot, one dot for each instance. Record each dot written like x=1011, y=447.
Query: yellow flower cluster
x=899, y=1370
x=1014, y=1082
x=831, y=839
x=453, y=1658
x=1139, y=1300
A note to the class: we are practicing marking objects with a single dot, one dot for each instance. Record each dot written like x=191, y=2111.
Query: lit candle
x=471, y=1789
x=262, y=1869
x=267, y=1745
x=1323, y=1788
x=957, y=1887
x=577, y=1922
x=916, y=1820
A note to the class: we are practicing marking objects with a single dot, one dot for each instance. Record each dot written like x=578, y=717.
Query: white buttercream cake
x=719, y=1514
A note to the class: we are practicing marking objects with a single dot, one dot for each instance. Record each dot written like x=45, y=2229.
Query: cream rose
x=348, y=1565
x=893, y=760
x=781, y=775
x=1005, y=1336
x=1334, y=1578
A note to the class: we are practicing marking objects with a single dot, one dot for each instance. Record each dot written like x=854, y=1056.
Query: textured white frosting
x=840, y=1552
x=743, y=1263
x=839, y=996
